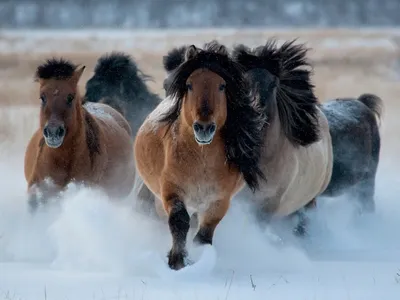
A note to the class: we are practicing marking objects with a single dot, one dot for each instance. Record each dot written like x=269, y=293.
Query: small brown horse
x=88, y=144
x=197, y=149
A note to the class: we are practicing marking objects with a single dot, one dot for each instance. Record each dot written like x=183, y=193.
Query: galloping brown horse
x=88, y=144
x=197, y=149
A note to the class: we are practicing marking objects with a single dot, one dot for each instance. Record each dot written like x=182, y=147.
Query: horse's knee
x=301, y=228
x=179, y=224
x=204, y=236
x=210, y=220
x=33, y=203
x=179, y=219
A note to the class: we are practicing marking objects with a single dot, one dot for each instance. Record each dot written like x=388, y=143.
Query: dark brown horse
x=199, y=147
x=88, y=144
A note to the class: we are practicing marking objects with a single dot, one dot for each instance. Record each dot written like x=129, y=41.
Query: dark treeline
x=197, y=13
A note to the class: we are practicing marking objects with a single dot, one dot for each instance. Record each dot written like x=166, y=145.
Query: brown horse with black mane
x=197, y=149
x=88, y=144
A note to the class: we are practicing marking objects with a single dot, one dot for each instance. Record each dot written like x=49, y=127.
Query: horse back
x=103, y=111
x=115, y=160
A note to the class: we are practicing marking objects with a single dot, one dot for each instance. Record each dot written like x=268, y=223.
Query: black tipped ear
x=191, y=52
x=223, y=50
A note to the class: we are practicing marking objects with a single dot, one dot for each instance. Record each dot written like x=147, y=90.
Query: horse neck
x=275, y=139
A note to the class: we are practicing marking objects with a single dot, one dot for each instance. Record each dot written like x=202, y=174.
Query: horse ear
x=77, y=74
x=191, y=52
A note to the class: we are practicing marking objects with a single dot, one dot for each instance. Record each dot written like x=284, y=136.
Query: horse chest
x=201, y=179
x=200, y=196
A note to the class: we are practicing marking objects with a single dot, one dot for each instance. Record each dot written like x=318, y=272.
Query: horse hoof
x=176, y=261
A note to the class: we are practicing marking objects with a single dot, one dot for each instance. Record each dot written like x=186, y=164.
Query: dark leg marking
x=179, y=224
x=204, y=236
x=301, y=229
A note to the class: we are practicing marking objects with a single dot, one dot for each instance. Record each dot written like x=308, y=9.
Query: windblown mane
x=117, y=66
x=117, y=74
x=174, y=58
x=296, y=102
x=55, y=68
x=242, y=131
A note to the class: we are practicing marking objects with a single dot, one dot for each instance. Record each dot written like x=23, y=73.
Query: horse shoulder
x=31, y=157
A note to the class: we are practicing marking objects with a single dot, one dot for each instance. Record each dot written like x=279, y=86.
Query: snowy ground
x=89, y=248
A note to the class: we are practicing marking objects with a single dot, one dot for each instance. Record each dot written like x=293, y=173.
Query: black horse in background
x=354, y=128
x=356, y=141
x=119, y=83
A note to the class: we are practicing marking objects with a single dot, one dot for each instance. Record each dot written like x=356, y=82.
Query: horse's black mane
x=55, y=68
x=242, y=131
x=296, y=102
x=174, y=58
x=117, y=66
x=117, y=76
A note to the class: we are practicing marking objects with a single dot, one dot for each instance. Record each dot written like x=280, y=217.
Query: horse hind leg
x=209, y=221
x=364, y=192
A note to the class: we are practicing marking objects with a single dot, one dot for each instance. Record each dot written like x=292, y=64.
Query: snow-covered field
x=88, y=248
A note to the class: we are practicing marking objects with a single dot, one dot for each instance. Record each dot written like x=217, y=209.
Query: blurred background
x=197, y=13
x=354, y=44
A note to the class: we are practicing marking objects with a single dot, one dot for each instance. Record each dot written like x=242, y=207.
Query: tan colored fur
x=295, y=176
x=113, y=168
x=171, y=162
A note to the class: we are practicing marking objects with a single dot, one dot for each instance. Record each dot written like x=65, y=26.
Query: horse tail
x=374, y=103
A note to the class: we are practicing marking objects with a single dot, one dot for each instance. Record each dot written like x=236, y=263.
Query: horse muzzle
x=204, y=132
x=54, y=135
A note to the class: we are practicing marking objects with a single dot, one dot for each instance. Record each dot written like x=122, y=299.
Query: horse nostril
x=60, y=131
x=197, y=127
x=211, y=128
x=46, y=132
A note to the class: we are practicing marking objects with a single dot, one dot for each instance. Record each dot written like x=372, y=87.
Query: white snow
x=89, y=248
x=14, y=41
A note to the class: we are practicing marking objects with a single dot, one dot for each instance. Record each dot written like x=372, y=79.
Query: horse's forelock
x=55, y=68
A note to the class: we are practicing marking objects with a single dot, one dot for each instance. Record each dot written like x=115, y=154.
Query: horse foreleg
x=210, y=220
x=303, y=220
x=179, y=224
x=39, y=195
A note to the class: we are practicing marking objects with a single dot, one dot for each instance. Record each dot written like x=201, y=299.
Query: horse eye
x=222, y=87
x=189, y=86
x=70, y=98
x=43, y=99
